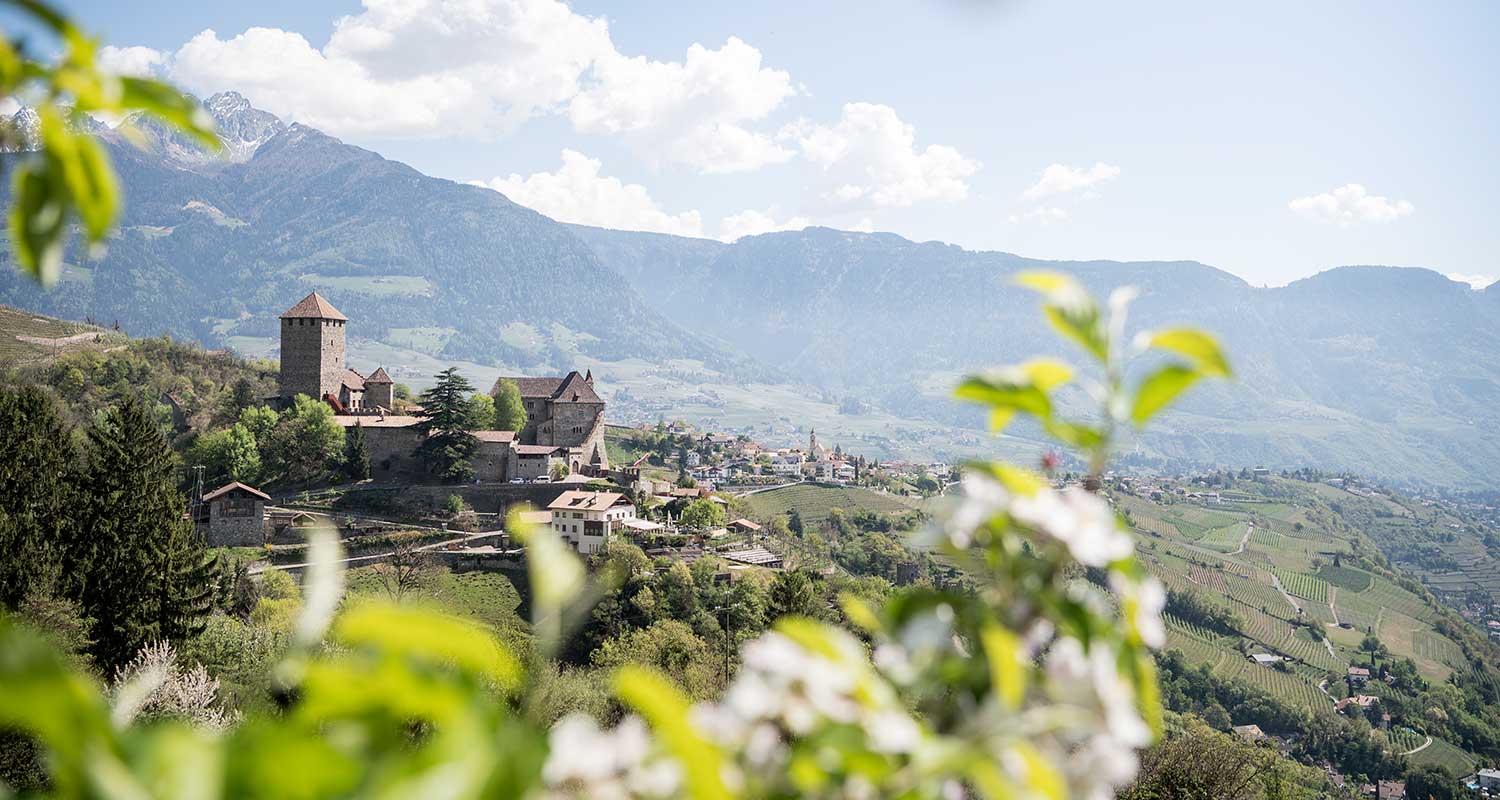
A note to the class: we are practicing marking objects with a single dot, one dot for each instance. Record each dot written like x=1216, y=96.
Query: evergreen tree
x=136, y=569
x=356, y=454
x=510, y=412
x=38, y=470
x=448, y=445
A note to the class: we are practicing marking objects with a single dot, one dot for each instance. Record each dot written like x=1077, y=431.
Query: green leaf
x=1007, y=664
x=1081, y=323
x=1196, y=346
x=1047, y=373
x=1159, y=389
x=1046, y=282
x=429, y=636
x=170, y=106
x=666, y=709
x=38, y=219
x=1008, y=391
x=1074, y=434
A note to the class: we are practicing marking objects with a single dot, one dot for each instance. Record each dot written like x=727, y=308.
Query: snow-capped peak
x=242, y=127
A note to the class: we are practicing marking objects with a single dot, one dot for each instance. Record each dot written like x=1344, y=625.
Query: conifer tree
x=446, y=424
x=137, y=570
x=38, y=470
x=356, y=454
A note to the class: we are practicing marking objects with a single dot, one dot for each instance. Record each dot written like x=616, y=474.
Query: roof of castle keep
x=313, y=306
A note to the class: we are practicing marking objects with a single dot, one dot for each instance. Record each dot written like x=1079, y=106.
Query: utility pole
x=728, y=637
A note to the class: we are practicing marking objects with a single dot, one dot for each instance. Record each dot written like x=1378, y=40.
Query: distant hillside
x=1388, y=372
x=1381, y=370
x=215, y=248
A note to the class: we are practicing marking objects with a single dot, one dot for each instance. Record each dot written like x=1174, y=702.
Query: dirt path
x=1249, y=529
x=1419, y=748
x=1333, y=592
x=1275, y=581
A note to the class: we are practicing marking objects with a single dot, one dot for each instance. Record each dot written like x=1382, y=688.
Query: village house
x=587, y=520
x=1359, y=676
x=233, y=515
x=1250, y=733
x=1361, y=700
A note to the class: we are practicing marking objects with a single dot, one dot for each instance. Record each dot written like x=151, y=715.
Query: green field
x=372, y=285
x=1353, y=580
x=813, y=501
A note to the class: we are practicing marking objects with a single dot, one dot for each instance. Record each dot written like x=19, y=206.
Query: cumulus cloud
x=479, y=68
x=751, y=223
x=579, y=193
x=870, y=158
x=1041, y=215
x=135, y=62
x=1063, y=179
x=1350, y=204
x=1475, y=281
x=693, y=111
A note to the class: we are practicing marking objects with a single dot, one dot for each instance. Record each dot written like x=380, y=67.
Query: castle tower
x=312, y=348
x=378, y=390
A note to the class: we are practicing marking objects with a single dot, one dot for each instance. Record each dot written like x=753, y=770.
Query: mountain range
x=1393, y=372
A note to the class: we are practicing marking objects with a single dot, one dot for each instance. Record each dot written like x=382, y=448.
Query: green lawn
x=812, y=501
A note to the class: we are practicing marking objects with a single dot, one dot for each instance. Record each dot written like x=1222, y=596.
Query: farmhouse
x=587, y=520
x=233, y=515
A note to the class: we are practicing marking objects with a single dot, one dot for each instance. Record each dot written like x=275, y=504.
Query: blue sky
x=1271, y=140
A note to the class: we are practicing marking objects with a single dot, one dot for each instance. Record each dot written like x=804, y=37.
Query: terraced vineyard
x=1354, y=580
x=1447, y=755
x=1304, y=586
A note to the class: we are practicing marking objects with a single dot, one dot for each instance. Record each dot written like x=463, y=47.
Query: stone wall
x=379, y=394
x=312, y=357
x=391, y=453
x=236, y=531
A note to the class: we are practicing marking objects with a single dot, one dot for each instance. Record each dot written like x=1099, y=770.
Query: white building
x=787, y=464
x=587, y=520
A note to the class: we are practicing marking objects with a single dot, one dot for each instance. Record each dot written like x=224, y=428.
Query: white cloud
x=869, y=158
x=1041, y=215
x=691, y=111
x=479, y=68
x=751, y=222
x=1475, y=281
x=1350, y=204
x=579, y=193
x=135, y=62
x=1062, y=179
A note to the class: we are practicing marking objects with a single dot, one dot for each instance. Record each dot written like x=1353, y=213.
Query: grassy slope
x=813, y=501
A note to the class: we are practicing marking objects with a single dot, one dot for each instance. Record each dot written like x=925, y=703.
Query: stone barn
x=233, y=515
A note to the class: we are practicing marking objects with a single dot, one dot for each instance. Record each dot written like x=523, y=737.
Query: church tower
x=812, y=442
x=312, y=349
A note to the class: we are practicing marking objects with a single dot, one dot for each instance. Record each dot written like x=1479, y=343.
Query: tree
x=38, y=471
x=140, y=572
x=448, y=444
x=1431, y=782
x=306, y=441
x=408, y=569
x=671, y=647
x=260, y=421
x=794, y=522
x=510, y=412
x=227, y=454
x=559, y=471
x=481, y=412
x=356, y=454
x=702, y=513
x=792, y=594
x=1202, y=762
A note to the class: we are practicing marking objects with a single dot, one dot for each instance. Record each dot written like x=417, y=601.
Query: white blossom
x=1079, y=519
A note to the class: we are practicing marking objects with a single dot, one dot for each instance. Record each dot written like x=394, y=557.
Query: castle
x=564, y=416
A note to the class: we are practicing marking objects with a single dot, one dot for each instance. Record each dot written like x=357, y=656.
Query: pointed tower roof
x=378, y=376
x=313, y=306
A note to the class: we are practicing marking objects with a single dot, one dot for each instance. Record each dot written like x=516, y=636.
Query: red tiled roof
x=313, y=306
